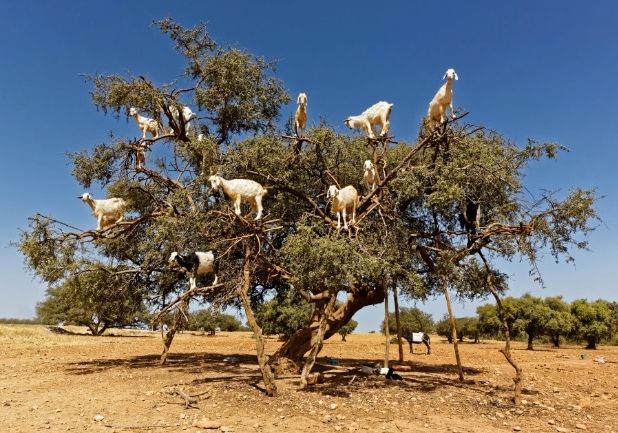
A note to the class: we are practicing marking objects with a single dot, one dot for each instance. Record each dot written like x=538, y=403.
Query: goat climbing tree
x=406, y=235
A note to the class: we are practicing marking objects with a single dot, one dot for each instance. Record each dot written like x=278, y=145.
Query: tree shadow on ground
x=63, y=331
x=338, y=380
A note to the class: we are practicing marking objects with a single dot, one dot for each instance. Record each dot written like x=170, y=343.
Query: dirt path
x=59, y=383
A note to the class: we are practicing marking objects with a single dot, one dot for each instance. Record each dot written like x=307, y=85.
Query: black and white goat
x=197, y=263
x=417, y=338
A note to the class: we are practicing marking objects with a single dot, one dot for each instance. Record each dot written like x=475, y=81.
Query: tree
x=412, y=320
x=207, y=320
x=532, y=316
x=560, y=320
x=469, y=327
x=593, y=321
x=407, y=232
x=283, y=315
x=94, y=300
x=347, y=329
x=465, y=326
x=491, y=324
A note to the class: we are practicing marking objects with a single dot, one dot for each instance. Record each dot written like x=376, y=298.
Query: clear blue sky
x=543, y=70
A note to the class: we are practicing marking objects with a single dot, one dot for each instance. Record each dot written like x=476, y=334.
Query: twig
x=139, y=427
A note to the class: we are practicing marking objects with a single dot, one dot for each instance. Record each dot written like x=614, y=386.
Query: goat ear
x=456, y=77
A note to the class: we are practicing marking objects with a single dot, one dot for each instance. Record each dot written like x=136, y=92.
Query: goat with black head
x=197, y=263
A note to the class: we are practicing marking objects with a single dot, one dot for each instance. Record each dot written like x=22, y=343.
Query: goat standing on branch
x=344, y=200
x=197, y=263
x=187, y=117
x=442, y=99
x=300, y=117
x=240, y=190
x=470, y=217
x=145, y=124
x=378, y=114
x=108, y=211
x=370, y=176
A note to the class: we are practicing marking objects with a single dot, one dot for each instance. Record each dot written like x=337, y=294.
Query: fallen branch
x=190, y=400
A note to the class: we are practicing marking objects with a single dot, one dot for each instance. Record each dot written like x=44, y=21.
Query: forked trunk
x=292, y=351
x=313, y=353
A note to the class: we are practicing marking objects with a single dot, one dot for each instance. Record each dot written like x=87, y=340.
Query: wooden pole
x=386, y=331
x=396, y=302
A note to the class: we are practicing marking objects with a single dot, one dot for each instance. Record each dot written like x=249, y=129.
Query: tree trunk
x=453, y=328
x=399, y=342
x=386, y=327
x=555, y=340
x=592, y=344
x=95, y=330
x=302, y=340
x=518, y=379
x=530, y=338
x=313, y=353
x=180, y=318
x=267, y=374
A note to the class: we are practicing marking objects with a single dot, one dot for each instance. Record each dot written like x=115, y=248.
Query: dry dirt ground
x=58, y=383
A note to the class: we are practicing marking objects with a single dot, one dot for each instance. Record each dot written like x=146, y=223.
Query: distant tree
x=443, y=329
x=13, y=321
x=470, y=328
x=411, y=320
x=283, y=315
x=465, y=326
x=491, y=324
x=614, y=308
x=593, y=321
x=94, y=299
x=347, y=329
x=532, y=317
x=209, y=321
x=560, y=321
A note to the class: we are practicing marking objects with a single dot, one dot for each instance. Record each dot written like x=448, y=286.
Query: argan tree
x=409, y=232
x=347, y=329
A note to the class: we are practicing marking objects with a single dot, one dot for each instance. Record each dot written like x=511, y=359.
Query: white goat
x=107, y=211
x=370, y=177
x=377, y=114
x=344, y=200
x=187, y=116
x=145, y=124
x=442, y=99
x=241, y=190
x=300, y=117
